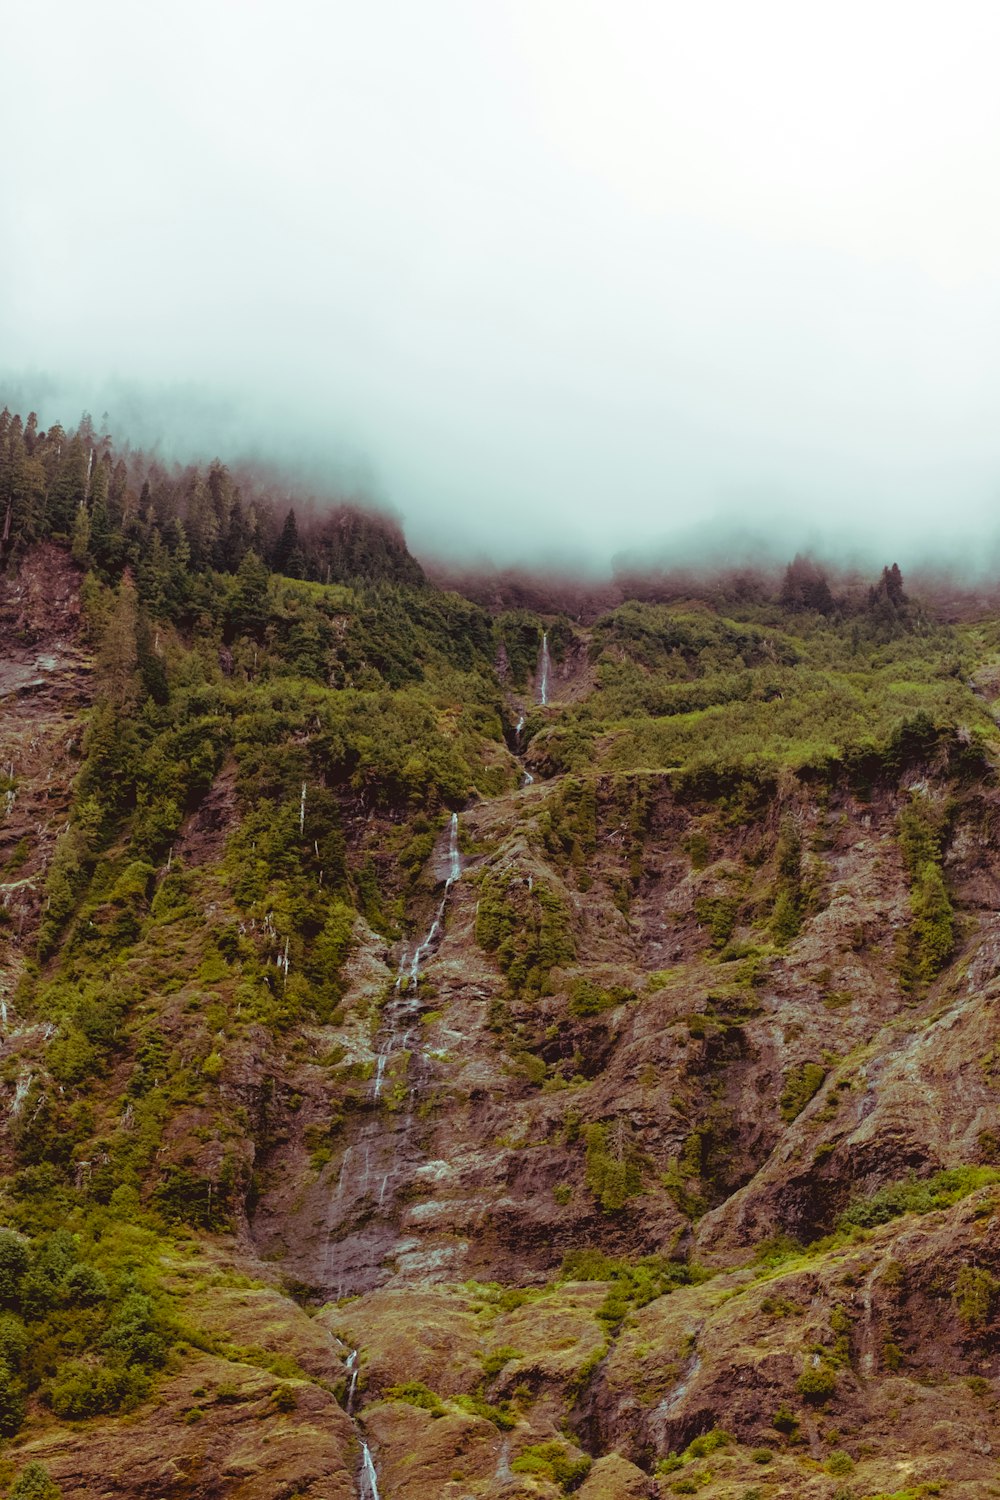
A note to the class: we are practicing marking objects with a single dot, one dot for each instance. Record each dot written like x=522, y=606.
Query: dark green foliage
x=800, y=1084
x=90, y=1338
x=932, y=929
x=528, y=930
x=135, y=1333
x=186, y=1196
x=921, y=826
x=89, y=1387
x=927, y=945
x=415, y=1394
x=171, y=528
x=248, y=609
x=588, y=999
x=614, y=1172
x=12, y=1400
x=719, y=914
x=13, y=1265
x=569, y=828
x=817, y=1383
x=553, y=1461
x=976, y=1294
x=805, y=587
x=785, y=1420
x=788, y=903
x=33, y=1483
x=917, y=1195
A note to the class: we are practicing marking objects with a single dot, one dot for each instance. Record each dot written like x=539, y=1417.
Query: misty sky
x=542, y=274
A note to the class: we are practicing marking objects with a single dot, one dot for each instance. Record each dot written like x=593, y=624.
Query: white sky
x=552, y=274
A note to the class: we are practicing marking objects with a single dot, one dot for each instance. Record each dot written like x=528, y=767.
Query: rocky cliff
x=631, y=1133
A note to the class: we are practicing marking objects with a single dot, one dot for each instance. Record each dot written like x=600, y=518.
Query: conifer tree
x=118, y=658
x=248, y=610
x=287, y=557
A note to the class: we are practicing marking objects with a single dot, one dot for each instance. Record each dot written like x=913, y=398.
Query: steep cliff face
x=634, y=1133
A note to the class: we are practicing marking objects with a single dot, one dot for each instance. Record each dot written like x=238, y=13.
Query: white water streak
x=543, y=683
x=368, y=1487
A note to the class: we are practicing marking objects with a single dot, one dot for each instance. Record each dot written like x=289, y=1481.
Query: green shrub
x=706, y=1443
x=494, y=1361
x=552, y=1461
x=785, y=1420
x=817, y=1383
x=932, y=928
x=589, y=999
x=528, y=931
x=89, y=1388
x=33, y=1483
x=13, y=1264
x=718, y=914
x=14, y=1341
x=975, y=1295
x=839, y=1463
x=918, y=1195
x=613, y=1174
x=12, y=1400
x=477, y=1406
x=415, y=1393
x=800, y=1085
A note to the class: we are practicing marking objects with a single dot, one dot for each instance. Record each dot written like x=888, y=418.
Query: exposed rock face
x=45, y=689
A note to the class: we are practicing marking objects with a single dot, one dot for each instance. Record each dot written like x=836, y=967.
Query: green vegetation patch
x=917, y=1195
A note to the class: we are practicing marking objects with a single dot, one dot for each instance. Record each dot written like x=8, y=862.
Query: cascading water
x=544, y=668
x=20, y=1093
x=385, y=1148
x=352, y=1383
x=368, y=1483
x=454, y=858
x=367, y=1478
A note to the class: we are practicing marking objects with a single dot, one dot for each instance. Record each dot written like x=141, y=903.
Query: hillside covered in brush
x=452, y=1047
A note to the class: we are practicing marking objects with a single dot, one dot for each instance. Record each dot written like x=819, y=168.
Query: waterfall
x=528, y=779
x=432, y=932
x=352, y=1365
x=20, y=1093
x=403, y=1007
x=368, y=1486
x=543, y=671
x=454, y=858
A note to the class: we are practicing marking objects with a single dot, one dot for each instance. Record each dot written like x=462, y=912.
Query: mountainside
x=451, y=1053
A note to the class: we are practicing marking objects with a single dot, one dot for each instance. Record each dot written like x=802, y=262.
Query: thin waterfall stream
x=368, y=1486
x=367, y=1476
x=386, y=1141
x=518, y=729
x=362, y=1211
x=544, y=670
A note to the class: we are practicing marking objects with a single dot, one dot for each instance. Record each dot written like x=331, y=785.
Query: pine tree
x=118, y=658
x=201, y=524
x=287, y=557
x=248, y=609
x=68, y=491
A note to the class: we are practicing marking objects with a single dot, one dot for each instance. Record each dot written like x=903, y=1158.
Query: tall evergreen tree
x=287, y=557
